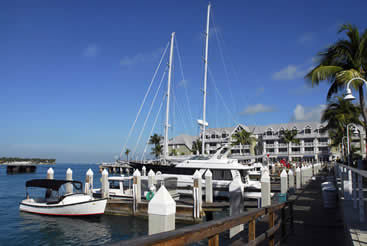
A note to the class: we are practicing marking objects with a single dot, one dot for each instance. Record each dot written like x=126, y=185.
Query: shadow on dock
x=314, y=224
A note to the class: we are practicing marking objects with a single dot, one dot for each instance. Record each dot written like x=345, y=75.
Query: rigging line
x=224, y=64
x=150, y=110
x=185, y=82
x=145, y=97
x=220, y=96
x=151, y=131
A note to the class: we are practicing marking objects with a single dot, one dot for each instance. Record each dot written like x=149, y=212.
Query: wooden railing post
x=271, y=224
x=252, y=230
x=291, y=216
x=214, y=240
x=283, y=224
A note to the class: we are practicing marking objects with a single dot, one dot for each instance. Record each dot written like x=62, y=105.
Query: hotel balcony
x=309, y=152
x=308, y=144
x=282, y=145
x=272, y=137
x=323, y=144
x=270, y=145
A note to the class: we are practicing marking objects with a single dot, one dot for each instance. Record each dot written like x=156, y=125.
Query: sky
x=74, y=74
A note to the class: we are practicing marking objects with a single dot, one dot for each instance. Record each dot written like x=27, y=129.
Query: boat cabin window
x=199, y=157
x=222, y=174
x=114, y=184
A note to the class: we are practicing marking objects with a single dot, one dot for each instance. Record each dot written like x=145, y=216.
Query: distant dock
x=20, y=167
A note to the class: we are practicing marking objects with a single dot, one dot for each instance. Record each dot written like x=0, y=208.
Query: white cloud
x=91, y=51
x=306, y=37
x=140, y=58
x=290, y=72
x=301, y=113
x=258, y=108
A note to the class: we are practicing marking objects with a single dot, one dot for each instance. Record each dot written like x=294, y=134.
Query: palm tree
x=155, y=139
x=174, y=152
x=196, y=147
x=289, y=136
x=338, y=114
x=127, y=152
x=342, y=61
x=242, y=138
x=157, y=150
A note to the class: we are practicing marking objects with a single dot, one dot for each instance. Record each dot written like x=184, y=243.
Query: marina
x=222, y=141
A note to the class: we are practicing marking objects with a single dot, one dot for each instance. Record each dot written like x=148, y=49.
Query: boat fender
x=149, y=195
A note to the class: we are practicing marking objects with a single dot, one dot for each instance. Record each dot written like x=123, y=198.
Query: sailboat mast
x=168, y=98
x=205, y=80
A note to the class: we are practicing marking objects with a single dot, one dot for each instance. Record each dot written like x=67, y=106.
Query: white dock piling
x=208, y=186
x=144, y=171
x=303, y=175
x=265, y=189
x=50, y=173
x=105, y=184
x=89, y=182
x=291, y=181
x=197, y=194
x=298, y=178
x=151, y=178
x=137, y=177
x=236, y=203
x=283, y=182
x=69, y=176
x=161, y=212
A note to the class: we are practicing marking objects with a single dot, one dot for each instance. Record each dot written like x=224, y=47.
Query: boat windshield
x=199, y=157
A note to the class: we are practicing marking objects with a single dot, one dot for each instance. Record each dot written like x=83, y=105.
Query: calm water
x=18, y=228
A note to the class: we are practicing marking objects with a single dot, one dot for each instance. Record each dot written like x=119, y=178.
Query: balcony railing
x=270, y=145
x=323, y=144
x=309, y=152
x=308, y=144
x=282, y=145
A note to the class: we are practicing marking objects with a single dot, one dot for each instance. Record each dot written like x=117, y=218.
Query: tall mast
x=205, y=80
x=168, y=98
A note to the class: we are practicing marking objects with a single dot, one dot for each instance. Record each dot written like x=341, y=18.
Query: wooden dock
x=20, y=168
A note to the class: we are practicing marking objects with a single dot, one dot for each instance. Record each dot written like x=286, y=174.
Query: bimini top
x=53, y=184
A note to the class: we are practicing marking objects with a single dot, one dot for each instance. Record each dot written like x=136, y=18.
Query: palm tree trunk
x=362, y=104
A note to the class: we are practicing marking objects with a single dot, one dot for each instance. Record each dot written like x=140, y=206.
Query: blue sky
x=74, y=73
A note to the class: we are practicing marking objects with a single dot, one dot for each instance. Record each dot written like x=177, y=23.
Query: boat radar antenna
x=204, y=123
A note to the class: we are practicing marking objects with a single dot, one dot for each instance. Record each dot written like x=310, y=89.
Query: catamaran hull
x=93, y=207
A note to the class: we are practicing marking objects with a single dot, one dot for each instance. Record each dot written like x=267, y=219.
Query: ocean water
x=19, y=228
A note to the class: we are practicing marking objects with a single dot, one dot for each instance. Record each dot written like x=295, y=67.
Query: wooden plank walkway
x=314, y=224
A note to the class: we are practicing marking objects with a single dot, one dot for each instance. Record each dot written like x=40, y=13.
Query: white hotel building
x=314, y=142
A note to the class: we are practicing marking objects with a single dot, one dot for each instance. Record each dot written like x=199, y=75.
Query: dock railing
x=354, y=188
x=280, y=216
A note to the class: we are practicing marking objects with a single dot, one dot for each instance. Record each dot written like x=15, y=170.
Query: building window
x=269, y=132
x=295, y=150
x=281, y=132
x=308, y=130
x=207, y=137
x=213, y=135
x=224, y=135
x=309, y=149
x=283, y=150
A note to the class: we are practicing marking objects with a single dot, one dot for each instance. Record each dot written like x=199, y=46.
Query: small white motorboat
x=68, y=204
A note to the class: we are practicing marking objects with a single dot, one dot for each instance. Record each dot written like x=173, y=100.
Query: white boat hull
x=82, y=205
